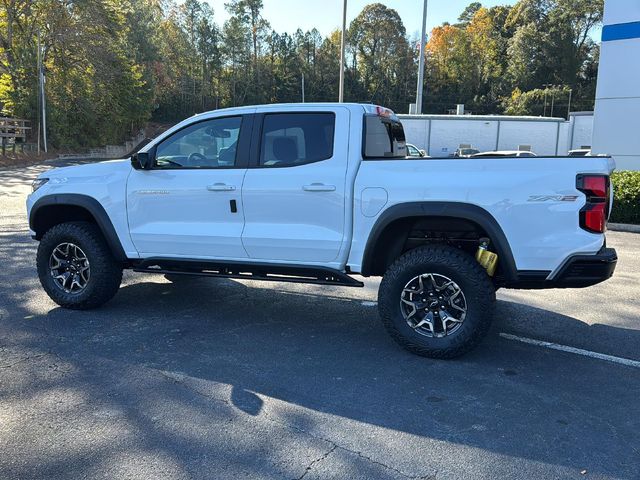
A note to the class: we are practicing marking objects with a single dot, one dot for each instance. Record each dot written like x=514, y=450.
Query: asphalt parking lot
x=214, y=378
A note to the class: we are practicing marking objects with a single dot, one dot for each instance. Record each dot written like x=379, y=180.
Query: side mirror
x=142, y=161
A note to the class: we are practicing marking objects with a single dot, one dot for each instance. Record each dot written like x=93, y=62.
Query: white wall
x=446, y=135
x=621, y=11
x=615, y=129
x=542, y=136
x=582, y=126
x=441, y=135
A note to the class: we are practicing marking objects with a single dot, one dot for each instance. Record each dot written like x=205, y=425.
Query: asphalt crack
x=23, y=360
x=317, y=460
x=180, y=380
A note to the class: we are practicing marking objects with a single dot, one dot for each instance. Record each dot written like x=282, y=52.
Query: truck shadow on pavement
x=176, y=364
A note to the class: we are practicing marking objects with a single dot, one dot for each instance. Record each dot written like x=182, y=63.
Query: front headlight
x=37, y=183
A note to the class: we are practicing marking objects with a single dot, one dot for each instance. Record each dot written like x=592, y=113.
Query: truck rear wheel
x=76, y=267
x=436, y=301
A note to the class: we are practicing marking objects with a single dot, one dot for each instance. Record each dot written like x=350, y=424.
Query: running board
x=248, y=271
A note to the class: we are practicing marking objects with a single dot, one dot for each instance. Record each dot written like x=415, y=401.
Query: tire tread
x=467, y=267
x=106, y=273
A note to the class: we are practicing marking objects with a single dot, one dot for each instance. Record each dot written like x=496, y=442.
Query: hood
x=97, y=169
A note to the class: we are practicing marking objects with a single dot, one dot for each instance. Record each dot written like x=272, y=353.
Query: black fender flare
x=94, y=208
x=460, y=210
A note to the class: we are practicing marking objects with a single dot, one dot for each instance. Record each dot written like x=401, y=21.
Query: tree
x=382, y=54
x=551, y=43
x=111, y=65
x=537, y=102
x=19, y=21
x=248, y=14
x=469, y=12
x=449, y=67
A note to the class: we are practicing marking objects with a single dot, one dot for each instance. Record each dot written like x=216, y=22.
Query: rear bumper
x=577, y=271
x=586, y=270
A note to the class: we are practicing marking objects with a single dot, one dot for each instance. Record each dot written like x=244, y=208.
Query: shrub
x=626, y=200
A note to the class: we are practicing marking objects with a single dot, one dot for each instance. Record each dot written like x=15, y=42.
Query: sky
x=326, y=15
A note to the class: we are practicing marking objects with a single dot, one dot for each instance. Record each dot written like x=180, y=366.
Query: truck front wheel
x=76, y=267
x=436, y=301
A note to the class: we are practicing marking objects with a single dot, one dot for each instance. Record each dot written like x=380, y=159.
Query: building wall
x=615, y=129
x=441, y=135
x=542, y=136
x=444, y=135
x=580, y=129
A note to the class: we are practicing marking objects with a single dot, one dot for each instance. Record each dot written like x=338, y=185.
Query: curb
x=623, y=227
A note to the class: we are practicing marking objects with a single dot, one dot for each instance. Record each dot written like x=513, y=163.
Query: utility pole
x=38, y=107
x=420, y=87
x=43, y=101
x=569, y=106
x=546, y=91
x=553, y=97
x=303, y=88
x=342, y=43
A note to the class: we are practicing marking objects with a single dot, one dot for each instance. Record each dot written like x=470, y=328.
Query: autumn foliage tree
x=113, y=65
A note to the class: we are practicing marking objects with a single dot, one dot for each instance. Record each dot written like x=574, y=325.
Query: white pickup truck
x=315, y=193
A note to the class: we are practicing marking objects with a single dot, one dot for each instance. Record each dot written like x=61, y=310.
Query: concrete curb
x=623, y=227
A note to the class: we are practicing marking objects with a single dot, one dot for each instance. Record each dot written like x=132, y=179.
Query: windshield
x=383, y=138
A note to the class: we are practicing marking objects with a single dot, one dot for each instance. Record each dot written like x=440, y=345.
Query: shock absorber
x=487, y=259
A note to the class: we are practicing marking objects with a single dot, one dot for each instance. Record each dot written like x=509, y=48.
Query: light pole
x=421, y=61
x=546, y=90
x=342, y=43
x=38, y=72
x=43, y=101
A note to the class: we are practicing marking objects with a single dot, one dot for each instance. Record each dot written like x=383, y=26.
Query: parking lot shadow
x=324, y=351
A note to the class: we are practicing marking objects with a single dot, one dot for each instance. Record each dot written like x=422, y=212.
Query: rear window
x=290, y=139
x=383, y=137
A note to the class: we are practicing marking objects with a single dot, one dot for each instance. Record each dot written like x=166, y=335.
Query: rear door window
x=290, y=139
x=383, y=138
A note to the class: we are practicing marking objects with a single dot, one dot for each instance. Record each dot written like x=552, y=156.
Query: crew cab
x=317, y=193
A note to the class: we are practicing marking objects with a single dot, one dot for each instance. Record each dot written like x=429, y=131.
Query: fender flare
x=96, y=210
x=459, y=210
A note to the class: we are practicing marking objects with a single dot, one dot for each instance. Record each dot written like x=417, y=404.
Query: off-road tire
x=105, y=271
x=460, y=267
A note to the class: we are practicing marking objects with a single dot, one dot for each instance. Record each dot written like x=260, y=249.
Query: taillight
x=593, y=216
x=593, y=185
x=383, y=112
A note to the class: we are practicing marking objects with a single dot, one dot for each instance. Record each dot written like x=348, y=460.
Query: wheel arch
x=400, y=217
x=52, y=210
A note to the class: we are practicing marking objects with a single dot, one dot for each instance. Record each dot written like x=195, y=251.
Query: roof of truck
x=367, y=107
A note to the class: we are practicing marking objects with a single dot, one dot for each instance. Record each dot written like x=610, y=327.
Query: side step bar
x=249, y=271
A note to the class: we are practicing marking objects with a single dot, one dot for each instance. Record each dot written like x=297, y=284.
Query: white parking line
x=577, y=351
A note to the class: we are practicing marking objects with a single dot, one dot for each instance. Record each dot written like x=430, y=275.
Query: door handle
x=221, y=187
x=319, y=187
